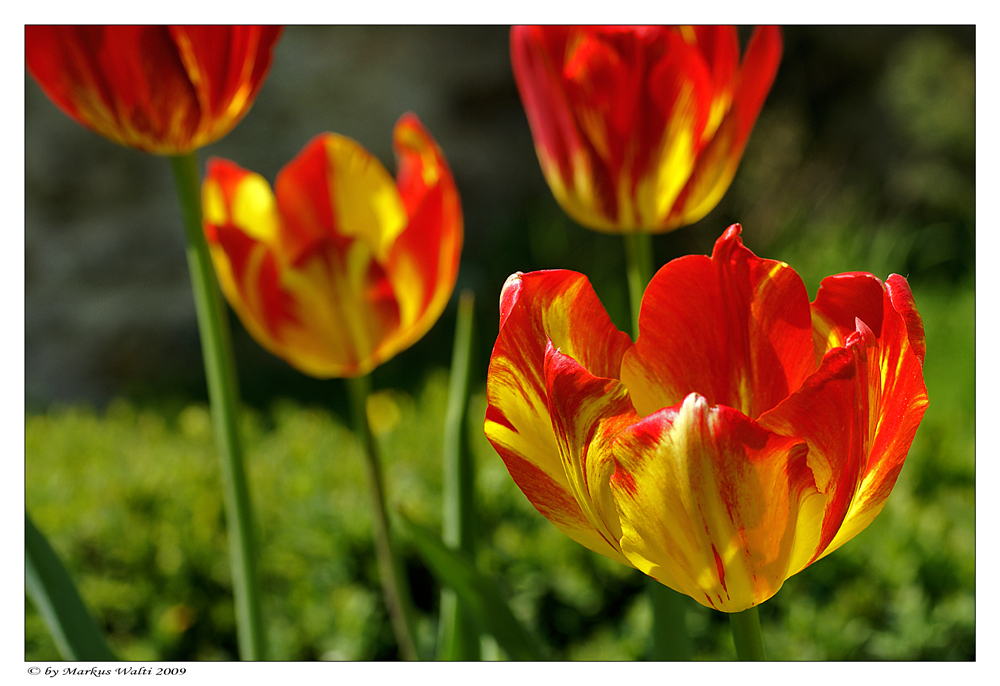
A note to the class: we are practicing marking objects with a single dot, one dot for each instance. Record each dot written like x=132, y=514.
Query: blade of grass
x=459, y=634
x=480, y=593
x=52, y=591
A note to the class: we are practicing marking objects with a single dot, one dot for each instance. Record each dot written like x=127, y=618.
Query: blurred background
x=863, y=159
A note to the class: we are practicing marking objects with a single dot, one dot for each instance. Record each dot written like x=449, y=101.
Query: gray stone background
x=108, y=308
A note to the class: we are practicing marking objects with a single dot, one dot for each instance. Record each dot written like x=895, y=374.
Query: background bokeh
x=863, y=159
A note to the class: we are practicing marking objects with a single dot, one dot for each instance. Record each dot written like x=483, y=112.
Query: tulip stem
x=670, y=640
x=395, y=589
x=747, y=636
x=223, y=394
x=459, y=635
x=639, y=267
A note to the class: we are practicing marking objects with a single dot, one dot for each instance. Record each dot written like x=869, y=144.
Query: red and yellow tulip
x=340, y=268
x=166, y=90
x=641, y=128
x=746, y=434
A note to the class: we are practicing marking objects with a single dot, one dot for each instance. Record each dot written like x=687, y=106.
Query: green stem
x=394, y=586
x=459, y=635
x=639, y=267
x=747, y=635
x=220, y=374
x=51, y=589
x=670, y=641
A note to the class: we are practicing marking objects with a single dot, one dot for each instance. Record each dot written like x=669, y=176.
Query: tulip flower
x=166, y=90
x=340, y=268
x=745, y=434
x=641, y=128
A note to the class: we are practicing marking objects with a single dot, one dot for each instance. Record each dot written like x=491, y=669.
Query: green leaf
x=480, y=593
x=48, y=584
x=458, y=631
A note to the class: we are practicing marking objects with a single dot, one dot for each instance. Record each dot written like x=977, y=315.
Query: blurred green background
x=863, y=159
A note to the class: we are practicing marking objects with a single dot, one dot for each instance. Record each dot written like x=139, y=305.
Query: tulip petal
x=896, y=402
x=127, y=83
x=720, y=48
x=539, y=310
x=241, y=226
x=708, y=501
x=735, y=328
x=340, y=214
x=680, y=86
x=858, y=413
x=422, y=265
x=226, y=66
x=902, y=301
x=717, y=164
x=163, y=90
x=587, y=413
x=566, y=163
x=757, y=72
x=841, y=300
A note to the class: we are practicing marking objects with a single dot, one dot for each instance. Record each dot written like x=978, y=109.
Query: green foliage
x=478, y=591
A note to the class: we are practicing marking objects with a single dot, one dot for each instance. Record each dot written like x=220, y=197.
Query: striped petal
x=541, y=313
x=735, y=328
x=717, y=163
x=640, y=128
x=587, y=413
x=226, y=66
x=566, y=163
x=163, y=90
x=422, y=265
x=242, y=226
x=709, y=501
x=681, y=92
x=860, y=411
x=340, y=215
x=340, y=269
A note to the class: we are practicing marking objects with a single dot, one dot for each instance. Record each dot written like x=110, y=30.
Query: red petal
x=734, y=328
x=720, y=47
x=841, y=300
x=557, y=308
x=227, y=64
x=858, y=412
x=247, y=268
x=536, y=59
x=587, y=413
x=431, y=244
x=760, y=66
x=306, y=204
x=720, y=158
x=902, y=300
